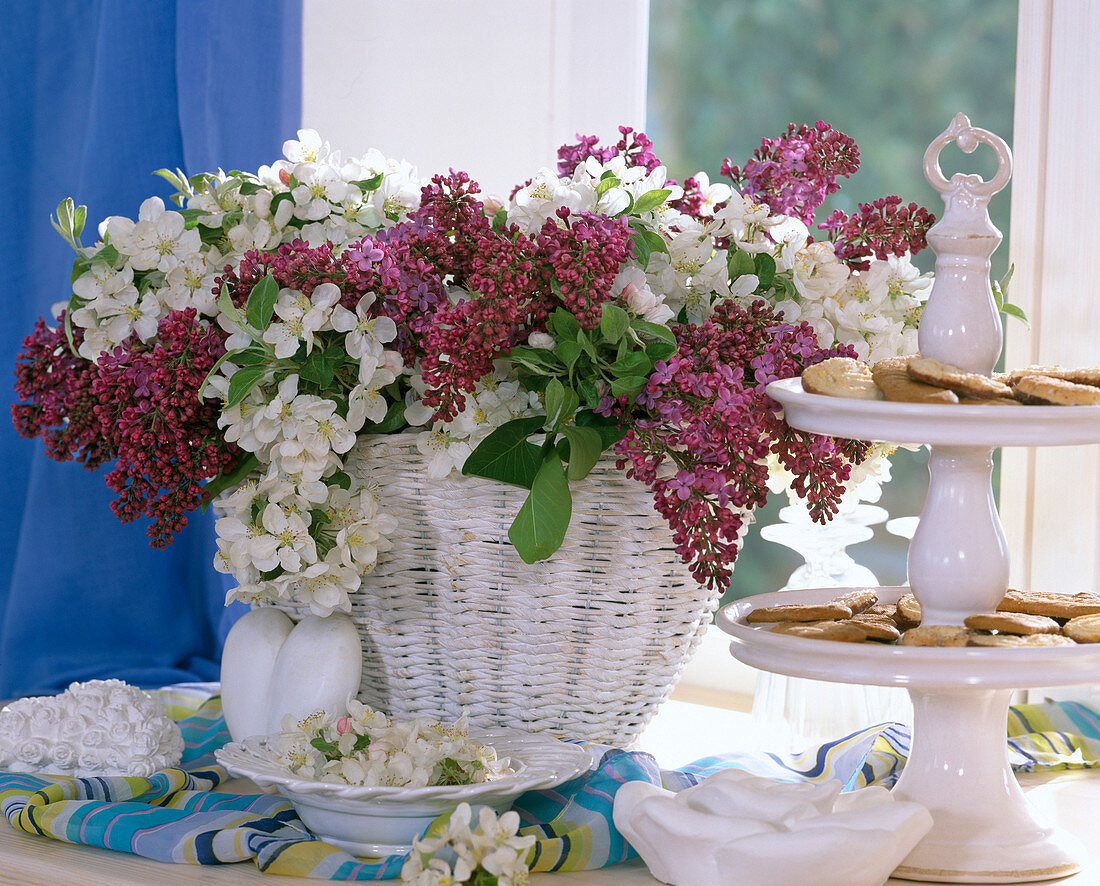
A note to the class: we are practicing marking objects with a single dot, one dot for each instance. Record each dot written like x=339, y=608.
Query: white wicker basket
x=586, y=644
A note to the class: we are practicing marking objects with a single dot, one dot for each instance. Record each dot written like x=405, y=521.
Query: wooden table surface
x=1069, y=800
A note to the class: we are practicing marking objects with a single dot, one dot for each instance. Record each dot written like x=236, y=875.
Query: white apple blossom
x=326, y=587
x=712, y=194
x=300, y=317
x=445, y=451
x=365, y=334
x=190, y=284
x=294, y=544
x=309, y=147
x=247, y=544
x=319, y=430
x=159, y=239
x=320, y=186
x=365, y=401
x=632, y=287
x=536, y=203
x=128, y=312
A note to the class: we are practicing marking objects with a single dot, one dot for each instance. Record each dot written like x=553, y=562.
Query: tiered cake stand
x=958, y=565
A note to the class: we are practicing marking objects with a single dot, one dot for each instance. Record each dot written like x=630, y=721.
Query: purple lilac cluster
x=703, y=428
x=54, y=386
x=794, y=173
x=886, y=226
x=168, y=440
x=139, y=406
x=634, y=147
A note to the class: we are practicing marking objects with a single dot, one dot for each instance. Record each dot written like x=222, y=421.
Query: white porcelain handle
x=968, y=138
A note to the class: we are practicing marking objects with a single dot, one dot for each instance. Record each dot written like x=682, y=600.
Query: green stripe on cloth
x=174, y=816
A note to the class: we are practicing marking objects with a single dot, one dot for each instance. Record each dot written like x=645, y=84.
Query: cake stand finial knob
x=960, y=324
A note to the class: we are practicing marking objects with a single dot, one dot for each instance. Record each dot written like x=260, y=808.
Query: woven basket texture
x=586, y=644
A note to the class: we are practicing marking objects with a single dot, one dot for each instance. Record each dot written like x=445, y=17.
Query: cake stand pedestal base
x=958, y=768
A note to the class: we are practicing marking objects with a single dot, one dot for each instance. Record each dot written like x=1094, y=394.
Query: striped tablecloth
x=175, y=816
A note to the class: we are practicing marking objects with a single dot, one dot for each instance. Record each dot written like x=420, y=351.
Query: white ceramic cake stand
x=958, y=565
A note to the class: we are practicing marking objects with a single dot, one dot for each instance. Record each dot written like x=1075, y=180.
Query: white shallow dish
x=936, y=424
x=382, y=821
x=879, y=664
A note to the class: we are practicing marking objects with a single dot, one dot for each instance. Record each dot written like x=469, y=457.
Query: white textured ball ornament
x=102, y=727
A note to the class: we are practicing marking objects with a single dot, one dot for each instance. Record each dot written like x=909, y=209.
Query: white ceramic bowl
x=382, y=821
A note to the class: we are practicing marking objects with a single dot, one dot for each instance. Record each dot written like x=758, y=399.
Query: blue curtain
x=95, y=96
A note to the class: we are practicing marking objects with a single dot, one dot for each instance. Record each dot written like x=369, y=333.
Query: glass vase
x=801, y=713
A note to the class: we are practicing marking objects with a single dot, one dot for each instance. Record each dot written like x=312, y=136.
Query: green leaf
x=609, y=432
x=253, y=355
x=261, y=303
x=81, y=213
x=226, y=307
x=280, y=198
x=585, y=447
x=66, y=222
x=606, y=184
x=567, y=352
x=1015, y=311
x=563, y=324
x=634, y=363
x=537, y=360
x=630, y=386
x=640, y=247
x=341, y=479
x=222, y=482
x=656, y=242
x=320, y=366
x=613, y=322
x=326, y=747
x=249, y=188
x=368, y=184
x=505, y=455
x=108, y=255
x=243, y=381
x=540, y=526
x=651, y=200
x=586, y=345
x=654, y=330
x=561, y=403
x=176, y=179
x=589, y=395
x=80, y=265
x=740, y=263
x=500, y=220
x=764, y=266
x=658, y=350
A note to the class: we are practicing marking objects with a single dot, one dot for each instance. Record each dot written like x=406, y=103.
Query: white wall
x=489, y=86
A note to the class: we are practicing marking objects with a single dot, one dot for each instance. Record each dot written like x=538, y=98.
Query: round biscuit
x=1083, y=629
x=944, y=375
x=1041, y=390
x=1013, y=623
x=841, y=377
x=842, y=631
x=936, y=635
x=1015, y=640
